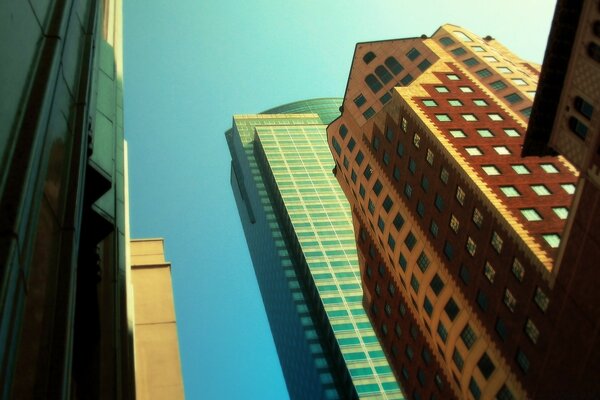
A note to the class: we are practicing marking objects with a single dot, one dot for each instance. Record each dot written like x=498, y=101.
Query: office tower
x=299, y=233
x=64, y=328
x=157, y=364
x=458, y=235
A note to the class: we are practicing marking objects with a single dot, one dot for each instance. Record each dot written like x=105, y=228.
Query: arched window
x=393, y=65
x=383, y=74
x=373, y=83
x=370, y=56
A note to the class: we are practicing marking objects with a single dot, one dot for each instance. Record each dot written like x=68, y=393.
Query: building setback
x=457, y=234
x=299, y=232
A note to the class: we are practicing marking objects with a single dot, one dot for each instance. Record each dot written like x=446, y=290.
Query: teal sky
x=189, y=66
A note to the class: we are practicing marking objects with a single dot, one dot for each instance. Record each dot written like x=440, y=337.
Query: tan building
x=157, y=365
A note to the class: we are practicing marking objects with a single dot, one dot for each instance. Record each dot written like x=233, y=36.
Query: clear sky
x=189, y=66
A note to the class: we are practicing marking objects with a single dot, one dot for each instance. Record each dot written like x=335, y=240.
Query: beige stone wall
x=157, y=363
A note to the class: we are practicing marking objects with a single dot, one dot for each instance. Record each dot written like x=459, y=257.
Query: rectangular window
x=511, y=132
x=531, y=214
x=502, y=150
x=469, y=117
x=495, y=117
x=430, y=103
x=519, y=82
x=491, y=170
x=441, y=89
x=470, y=62
x=446, y=41
x=369, y=112
x=459, y=51
x=460, y=195
x=513, y=98
x=457, y=133
x=549, y=168
x=406, y=80
x=443, y=117
x=541, y=299
x=498, y=85
x=368, y=172
x=520, y=169
x=454, y=224
x=385, y=98
x=480, y=102
x=518, y=270
x=490, y=59
x=553, y=240
x=455, y=102
x=485, y=133
x=423, y=65
x=466, y=89
x=451, y=309
x=473, y=151
x=583, y=107
x=484, y=73
x=504, y=70
x=414, y=283
x=416, y=140
x=360, y=100
x=413, y=54
x=541, y=190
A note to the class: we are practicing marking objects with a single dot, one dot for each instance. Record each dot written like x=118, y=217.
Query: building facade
x=457, y=234
x=299, y=233
x=64, y=328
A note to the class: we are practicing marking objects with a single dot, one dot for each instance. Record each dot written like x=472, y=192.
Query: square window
x=477, y=49
x=442, y=89
x=553, y=240
x=510, y=191
x=518, y=270
x=471, y=246
x=369, y=113
x=430, y=103
x=568, y=187
x=520, y=169
x=485, y=133
x=455, y=102
x=526, y=111
x=512, y=132
x=498, y=85
x=541, y=190
x=489, y=272
x=454, y=224
x=423, y=65
x=469, y=117
x=531, y=214
x=459, y=51
x=541, y=299
x=502, y=150
x=504, y=70
x=497, y=242
x=549, y=168
x=473, y=151
x=510, y=300
x=443, y=117
x=446, y=41
x=480, y=102
x=519, y=82
x=491, y=170
x=561, y=212
x=466, y=89
x=460, y=195
x=495, y=117
x=457, y=133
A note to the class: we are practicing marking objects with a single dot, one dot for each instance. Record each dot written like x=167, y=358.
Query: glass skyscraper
x=299, y=231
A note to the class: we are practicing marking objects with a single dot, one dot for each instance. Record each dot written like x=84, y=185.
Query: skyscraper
x=64, y=328
x=299, y=232
x=457, y=234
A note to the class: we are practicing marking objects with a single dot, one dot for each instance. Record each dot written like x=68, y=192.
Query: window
x=532, y=331
x=383, y=74
x=421, y=209
x=459, y=51
x=336, y=146
x=504, y=70
x=460, y=195
x=568, y=187
x=370, y=56
x=423, y=262
x=468, y=336
x=408, y=190
x=444, y=175
x=425, y=183
x=436, y=284
x=485, y=133
x=343, y=131
x=373, y=83
x=427, y=306
x=375, y=142
x=371, y=207
x=495, y=117
x=362, y=191
x=429, y=157
x=413, y=54
x=442, y=332
x=482, y=300
x=489, y=271
x=458, y=360
x=497, y=242
x=498, y=85
x=368, y=172
x=386, y=158
x=561, y=212
x=518, y=270
x=414, y=283
x=360, y=100
x=513, y=98
x=464, y=274
x=491, y=170
x=441, y=89
x=541, y=190
x=531, y=214
x=439, y=202
x=404, y=124
x=471, y=246
x=423, y=65
x=412, y=165
x=520, y=169
x=480, y=102
x=406, y=80
x=510, y=300
x=470, y=62
x=410, y=241
x=353, y=176
x=369, y=112
x=504, y=394
x=541, y=299
x=391, y=242
x=346, y=162
x=553, y=239
x=385, y=98
x=490, y=59
x=462, y=36
x=443, y=117
x=526, y=112
x=416, y=140
x=387, y=204
x=457, y=133
x=519, y=82
x=403, y=264
x=446, y=41
x=400, y=149
x=451, y=309
x=398, y=221
x=583, y=107
x=477, y=217
x=455, y=103
x=393, y=65
x=549, y=168
x=522, y=361
x=377, y=186
x=484, y=73
x=531, y=94
x=466, y=89
x=454, y=224
x=473, y=151
x=359, y=157
x=501, y=329
x=502, y=150
x=486, y=366
x=389, y=134
x=511, y=132
x=448, y=250
x=430, y=103
x=469, y=117
x=510, y=191
x=433, y=228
